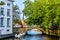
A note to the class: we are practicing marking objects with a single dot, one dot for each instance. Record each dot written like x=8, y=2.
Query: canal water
x=40, y=37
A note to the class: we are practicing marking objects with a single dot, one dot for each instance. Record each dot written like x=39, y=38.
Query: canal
x=27, y=37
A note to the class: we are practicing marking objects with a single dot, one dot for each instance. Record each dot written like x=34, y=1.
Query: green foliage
x=43, y=12
x=15, y=21
x=2, y=3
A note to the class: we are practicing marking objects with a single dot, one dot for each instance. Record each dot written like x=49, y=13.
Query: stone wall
x=50, y=32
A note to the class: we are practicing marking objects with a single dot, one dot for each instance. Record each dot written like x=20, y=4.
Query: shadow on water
x=41, y=37
x=10, y=39
x=51, y=38
x=27, y=37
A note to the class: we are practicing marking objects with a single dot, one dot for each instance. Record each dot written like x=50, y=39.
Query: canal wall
x=49, y=32
x=6, y=35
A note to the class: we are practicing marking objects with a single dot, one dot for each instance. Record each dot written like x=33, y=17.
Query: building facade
x=17, y=14
x=6, y=11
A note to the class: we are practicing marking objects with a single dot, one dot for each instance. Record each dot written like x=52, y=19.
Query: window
x=8, y=22
x=2, y=11
x=8, y=12
x=1, y=21
x=0, y=32
x=7, y=30
x=8, y=4
x=18, y=12
x=18, y=17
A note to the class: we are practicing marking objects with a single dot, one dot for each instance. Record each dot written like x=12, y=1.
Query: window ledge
x=8, y=26
x=8, y=15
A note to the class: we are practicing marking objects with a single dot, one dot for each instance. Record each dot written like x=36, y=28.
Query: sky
x=21, y=5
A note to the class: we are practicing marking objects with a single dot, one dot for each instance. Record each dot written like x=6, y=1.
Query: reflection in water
x=41, y=37
x=51, y=38
x=33, y=38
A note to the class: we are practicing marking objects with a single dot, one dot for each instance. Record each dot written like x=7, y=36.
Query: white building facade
x=6, y=11
x=17, y=14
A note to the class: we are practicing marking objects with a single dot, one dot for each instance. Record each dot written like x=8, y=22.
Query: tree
x=43, y=12
x=2, y=3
